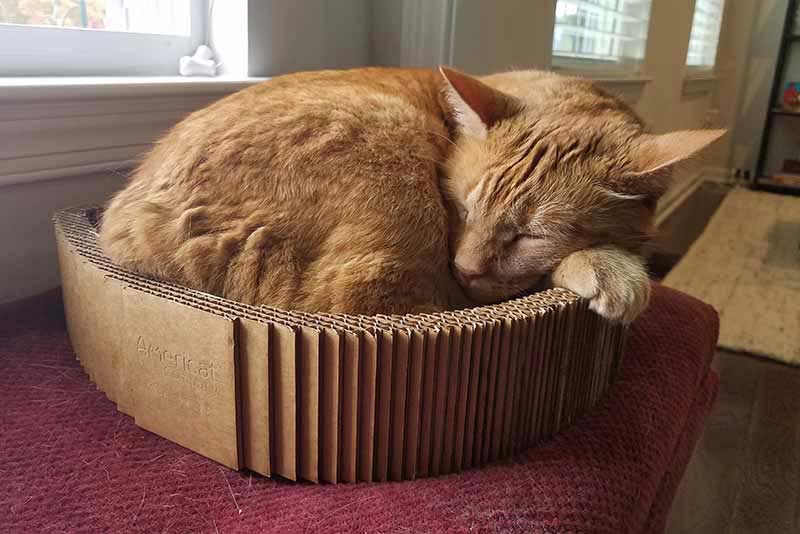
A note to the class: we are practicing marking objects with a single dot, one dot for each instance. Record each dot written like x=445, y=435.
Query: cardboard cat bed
x=332, y=398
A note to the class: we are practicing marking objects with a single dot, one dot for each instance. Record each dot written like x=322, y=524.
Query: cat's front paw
x=614, y=281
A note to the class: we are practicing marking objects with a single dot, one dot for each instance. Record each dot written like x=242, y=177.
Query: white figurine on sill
x=200, y=64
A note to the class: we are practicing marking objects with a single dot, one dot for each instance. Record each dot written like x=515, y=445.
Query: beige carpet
x=747, y=265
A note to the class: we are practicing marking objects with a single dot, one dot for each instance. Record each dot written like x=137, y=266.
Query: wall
x=494, y=36
x=761, y=26
x=473, y=35
x=410, y=33
x=28, y=263
x=386, y=33
x=287, y=35
x=732, y=66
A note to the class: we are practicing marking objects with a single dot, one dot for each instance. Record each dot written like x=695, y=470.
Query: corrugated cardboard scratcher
x=324, y=397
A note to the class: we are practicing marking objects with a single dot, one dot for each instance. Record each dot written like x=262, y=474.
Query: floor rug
x=747, y=265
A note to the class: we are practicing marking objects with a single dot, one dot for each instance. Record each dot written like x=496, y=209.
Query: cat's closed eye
x=523, y=237
x=523, y=240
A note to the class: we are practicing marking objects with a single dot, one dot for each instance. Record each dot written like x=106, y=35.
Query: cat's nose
x=466, y=275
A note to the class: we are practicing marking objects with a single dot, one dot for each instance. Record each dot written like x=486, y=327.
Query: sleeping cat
x=396, y=191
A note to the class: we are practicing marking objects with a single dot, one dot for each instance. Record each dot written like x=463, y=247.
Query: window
x=606, y=34
x=98, y=37
x=705, y=33
x=169, y=18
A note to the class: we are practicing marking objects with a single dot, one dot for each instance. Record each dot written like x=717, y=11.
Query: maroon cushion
x=70, y=462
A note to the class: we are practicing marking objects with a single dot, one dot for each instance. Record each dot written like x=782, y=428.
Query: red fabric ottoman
x=69, y=462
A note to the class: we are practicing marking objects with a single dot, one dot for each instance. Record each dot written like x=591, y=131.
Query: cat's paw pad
x=615, y=282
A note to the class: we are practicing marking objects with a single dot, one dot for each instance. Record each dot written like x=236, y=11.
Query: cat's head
x=544, y=166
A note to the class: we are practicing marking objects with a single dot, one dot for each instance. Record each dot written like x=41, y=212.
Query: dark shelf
x=765, y=183
x=781, y=111
x=787, y=40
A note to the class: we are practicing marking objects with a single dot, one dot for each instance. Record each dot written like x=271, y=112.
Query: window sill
x=624, y=85
x=603, y=76
x=62, y=127
x=696, y=84
x=63, y=88
x=617, y=80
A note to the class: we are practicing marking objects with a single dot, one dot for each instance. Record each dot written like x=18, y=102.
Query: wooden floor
x=744, y=476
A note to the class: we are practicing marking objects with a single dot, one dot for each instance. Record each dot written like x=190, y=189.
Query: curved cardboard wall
x=324, y=397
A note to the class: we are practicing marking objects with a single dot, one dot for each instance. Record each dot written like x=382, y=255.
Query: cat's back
x=346, y=89
x=294, y=120
x=294, y=166
x=318, y=97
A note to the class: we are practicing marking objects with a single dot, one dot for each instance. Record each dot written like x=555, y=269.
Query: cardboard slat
x=455, y=359
x=414, y=404
x=283, y=400
x=440, y=391
x=556, y=363
x=470, y=418
x=510, y=388
x=308, y=403
x=567, y=361
x=330, y=404
x=427, y=402
x=383, y=404
x=367, y=406
x=548, y=328
x=499, y=404
x=254, y=364
x=349, y=429
x=398, y=423
x=537, y=357
x=467, y=335
x=523, y=376
x=483, y=427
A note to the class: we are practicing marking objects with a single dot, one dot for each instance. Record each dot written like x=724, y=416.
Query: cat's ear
x=655, y=155
x=475, y=107
x=659, y=152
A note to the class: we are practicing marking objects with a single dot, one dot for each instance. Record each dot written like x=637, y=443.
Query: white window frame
x=49, y=51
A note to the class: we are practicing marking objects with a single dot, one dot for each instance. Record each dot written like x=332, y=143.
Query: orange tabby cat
x=375, y=190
